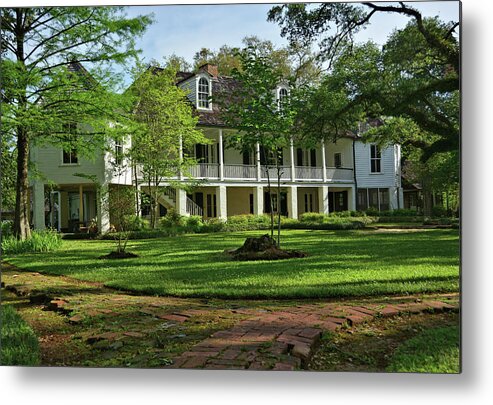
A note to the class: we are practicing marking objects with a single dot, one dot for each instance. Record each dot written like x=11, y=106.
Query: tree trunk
x=22, y=205
x=278, y=205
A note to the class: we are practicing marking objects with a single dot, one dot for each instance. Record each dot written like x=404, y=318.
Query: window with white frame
x=338, y=159
x=375, y=159
x=282, y=96
x=70, y=157
x=118, y=152
x=203, y=93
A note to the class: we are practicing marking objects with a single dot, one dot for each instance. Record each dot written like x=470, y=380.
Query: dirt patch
x=263, y=248
x=119, y=255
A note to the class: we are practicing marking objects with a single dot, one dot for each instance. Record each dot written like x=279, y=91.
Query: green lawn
x=18, y=343
x=340, y=263
x=432, y=351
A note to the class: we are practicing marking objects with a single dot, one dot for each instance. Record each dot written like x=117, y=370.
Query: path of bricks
x=281, y=339
x=285, y=340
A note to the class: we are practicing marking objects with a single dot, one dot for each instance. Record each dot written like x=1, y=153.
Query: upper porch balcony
x=255, y=173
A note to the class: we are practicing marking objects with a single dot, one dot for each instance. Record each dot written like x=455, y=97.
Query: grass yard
x=18, y=343
x=340, y=264
x=432, y=351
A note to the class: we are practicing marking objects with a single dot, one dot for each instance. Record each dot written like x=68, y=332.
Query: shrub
x=19, y=343
x=138, y=223
x=193, y=221
x=312, y=217
x=401, y=212
x=212, y=225
x=7, y=227
x=438, y=212
x=40, y=241
x=171, y=219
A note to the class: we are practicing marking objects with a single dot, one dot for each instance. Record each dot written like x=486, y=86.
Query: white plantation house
x=345, y=175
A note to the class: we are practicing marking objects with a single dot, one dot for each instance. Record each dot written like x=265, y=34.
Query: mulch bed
x=118, y=255
x=263, y=248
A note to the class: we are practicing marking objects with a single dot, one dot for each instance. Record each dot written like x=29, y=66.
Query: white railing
x=240, y=172
x=285, y=173
x=193, y=208
x=339, y=174
x=249, y=172
x=205, y=171
x=308, y=173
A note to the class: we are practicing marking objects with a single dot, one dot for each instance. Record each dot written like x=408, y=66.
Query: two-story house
x=344, y=175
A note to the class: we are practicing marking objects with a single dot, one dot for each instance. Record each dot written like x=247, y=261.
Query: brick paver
x=285, y=340
x=281, y=340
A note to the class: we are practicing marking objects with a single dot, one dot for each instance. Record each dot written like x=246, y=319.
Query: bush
x=312, y=217
x=213, y=225
x=7, y=228
x=137, y=223
x=439, y=212
x=40, y=241
x=171, y=219
x=19, y=343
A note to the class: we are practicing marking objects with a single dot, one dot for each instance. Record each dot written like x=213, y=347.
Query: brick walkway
x=280, y=338
x=285, y=340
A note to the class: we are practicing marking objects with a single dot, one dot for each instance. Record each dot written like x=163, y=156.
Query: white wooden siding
x=48, y=160
x=366, y=179
x=190, y=86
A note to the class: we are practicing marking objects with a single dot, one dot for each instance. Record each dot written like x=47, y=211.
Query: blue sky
x=185, y=29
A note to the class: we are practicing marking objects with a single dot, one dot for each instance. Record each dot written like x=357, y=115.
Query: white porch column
x=258, y=200
x=393, y=198
x=401, y=197
x=222, y=203
x=352, y=199
x=138, y=211
x=221, y=156
x=293, y=202
x=180, y=149
x=257, y=158
x=102, y=206
x=293, y=168
x=181, y=202
x=38, y=191
x=324, y=164
x=323, y=200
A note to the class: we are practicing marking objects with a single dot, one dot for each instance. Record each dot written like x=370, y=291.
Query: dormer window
x=203, y=93
x=282, y=95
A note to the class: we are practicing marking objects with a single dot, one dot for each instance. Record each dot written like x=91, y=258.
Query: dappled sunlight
x=339, y=263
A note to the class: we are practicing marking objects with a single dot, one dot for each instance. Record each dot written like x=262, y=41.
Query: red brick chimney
x=211, y=69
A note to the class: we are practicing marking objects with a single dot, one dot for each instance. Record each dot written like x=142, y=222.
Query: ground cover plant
x=18, y=343
x=40, y=241
x=339, y=264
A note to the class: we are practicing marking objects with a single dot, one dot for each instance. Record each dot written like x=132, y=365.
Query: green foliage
x=47, y=96
x=19, y=345
x=413, y=80
x=8, y=157
x=432, y=351
x=164, y=125
x=7, y=228
x=171, y=219
x=313, y=217
x=39, y=241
